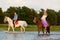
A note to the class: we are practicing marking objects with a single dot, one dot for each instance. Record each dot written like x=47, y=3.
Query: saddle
x=15, y=22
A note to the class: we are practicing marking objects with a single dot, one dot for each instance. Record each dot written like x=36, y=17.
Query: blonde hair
x=45, y=13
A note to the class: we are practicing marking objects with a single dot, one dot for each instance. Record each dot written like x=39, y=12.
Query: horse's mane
x=8, y=17
x=38, y=18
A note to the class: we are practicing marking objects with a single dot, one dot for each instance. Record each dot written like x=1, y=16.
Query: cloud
x=36, y=4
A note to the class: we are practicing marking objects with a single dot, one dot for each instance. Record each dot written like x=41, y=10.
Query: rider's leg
x=14, y=22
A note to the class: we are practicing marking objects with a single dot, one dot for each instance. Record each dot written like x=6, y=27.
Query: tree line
x=27, y=14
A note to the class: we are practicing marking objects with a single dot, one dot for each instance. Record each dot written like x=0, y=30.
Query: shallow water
x=28, y=36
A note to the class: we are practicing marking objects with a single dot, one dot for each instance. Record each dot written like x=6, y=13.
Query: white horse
x=21, y=24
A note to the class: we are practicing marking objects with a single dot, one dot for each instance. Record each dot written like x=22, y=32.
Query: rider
x=15, y=18
x=43, y=19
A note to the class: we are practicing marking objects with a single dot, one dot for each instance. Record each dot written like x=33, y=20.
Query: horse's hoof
x=42, y=34
x=48, y=34
x=38, y=34
x=24, y=32
x=8, y=31
x=13, y=31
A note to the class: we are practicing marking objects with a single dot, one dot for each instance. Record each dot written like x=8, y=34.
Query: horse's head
x=34, y=20
x=5, y=19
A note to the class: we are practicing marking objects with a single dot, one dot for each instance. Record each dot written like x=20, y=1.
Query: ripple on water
x=28, y=36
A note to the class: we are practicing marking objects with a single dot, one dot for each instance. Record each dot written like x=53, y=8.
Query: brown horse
x=40, y=26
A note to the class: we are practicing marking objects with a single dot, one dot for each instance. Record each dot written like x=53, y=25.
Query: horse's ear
x=34, y=16
x=5, y=16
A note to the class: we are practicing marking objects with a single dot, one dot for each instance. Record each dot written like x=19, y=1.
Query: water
x=28, y=36
x=2, y=35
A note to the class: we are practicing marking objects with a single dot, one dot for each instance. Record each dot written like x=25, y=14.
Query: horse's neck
x=38, y=20
x=9, y=20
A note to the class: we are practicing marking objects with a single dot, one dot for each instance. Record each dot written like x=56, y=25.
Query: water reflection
x=2, y=35
x=28, y=36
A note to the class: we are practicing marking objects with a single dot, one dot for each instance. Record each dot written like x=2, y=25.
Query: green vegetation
x=30, y=28
x=27, y=14
x=55, y=28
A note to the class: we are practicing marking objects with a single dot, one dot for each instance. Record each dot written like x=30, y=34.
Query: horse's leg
x=48, y=30
x=13, y=28
x=38, y=29
x=43, y=30
x=8, y=28
x=21, y=29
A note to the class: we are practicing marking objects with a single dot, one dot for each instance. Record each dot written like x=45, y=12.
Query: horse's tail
x=25, y=24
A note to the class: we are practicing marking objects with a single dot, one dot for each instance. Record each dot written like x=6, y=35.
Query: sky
x=35, y=4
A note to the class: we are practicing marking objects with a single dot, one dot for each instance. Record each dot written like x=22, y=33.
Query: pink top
x=44, y=17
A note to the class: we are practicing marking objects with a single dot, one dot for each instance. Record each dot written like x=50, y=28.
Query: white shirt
x=43, y=17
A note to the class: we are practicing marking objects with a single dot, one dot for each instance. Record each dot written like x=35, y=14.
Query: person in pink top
x=43, y=19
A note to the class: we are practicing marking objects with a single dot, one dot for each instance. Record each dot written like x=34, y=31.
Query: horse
x=40, y=26
x=21, y=24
